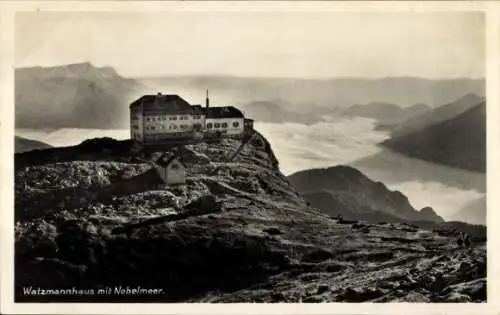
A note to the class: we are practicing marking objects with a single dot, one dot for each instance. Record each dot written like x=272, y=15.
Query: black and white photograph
x=271, y=153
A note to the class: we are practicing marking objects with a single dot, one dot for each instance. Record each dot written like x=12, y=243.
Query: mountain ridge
x=326, y=93
x=457, y=142
x=22, y=144
x=436, y=115
x=387, y=113
x=346, y=184
x=76, y=95
x=72, y=95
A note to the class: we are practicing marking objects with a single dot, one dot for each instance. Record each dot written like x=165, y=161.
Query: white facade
x=158, y=124
x=153, y=119
x=229, y=126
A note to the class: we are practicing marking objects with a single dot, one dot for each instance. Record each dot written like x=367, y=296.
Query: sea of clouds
x=354, y=142
x=341, y=140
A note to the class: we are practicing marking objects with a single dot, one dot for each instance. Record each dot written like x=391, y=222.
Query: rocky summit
x=94, y=223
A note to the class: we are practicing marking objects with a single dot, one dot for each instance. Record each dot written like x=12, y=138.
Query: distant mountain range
x=386, y=113
x=84, y=96
x=457, y=142
x=439, y=114
x=343, y=190
x=76, y=95
x=24, y=145
x=326, y=93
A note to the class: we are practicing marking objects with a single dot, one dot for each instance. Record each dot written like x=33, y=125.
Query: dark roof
x=197, y=110
x=170, y=103
x=223, y=112
x=167, y=158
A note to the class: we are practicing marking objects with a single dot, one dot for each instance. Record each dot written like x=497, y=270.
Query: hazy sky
x=270, y=44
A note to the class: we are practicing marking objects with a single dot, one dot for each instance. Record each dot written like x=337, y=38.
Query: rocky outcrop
x=91, y=217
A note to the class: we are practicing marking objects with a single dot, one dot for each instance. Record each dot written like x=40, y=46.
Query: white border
x=7, y=11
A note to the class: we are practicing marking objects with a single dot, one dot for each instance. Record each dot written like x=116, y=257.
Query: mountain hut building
x=161, y=117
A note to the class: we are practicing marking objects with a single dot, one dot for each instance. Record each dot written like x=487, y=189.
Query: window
x=224, y=125
x=148, y=119
x=175, y=127
x=217, y=125
x=153, y=128
x=209, y=126
x=174, y=166
x=173, y=118
x=236, y=124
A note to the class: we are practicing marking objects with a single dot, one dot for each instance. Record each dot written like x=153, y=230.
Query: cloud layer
x=350, y=141
x=353, y=141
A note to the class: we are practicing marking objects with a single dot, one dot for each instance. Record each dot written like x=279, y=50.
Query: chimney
x=159, y=94
x=207, y=101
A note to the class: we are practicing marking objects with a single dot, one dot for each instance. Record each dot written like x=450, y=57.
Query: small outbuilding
x=171, y=169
